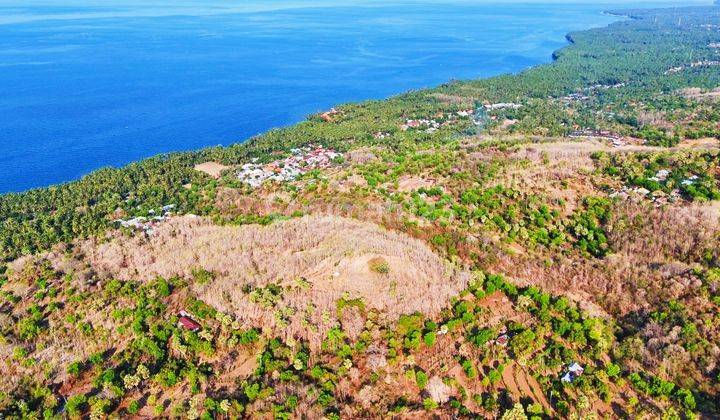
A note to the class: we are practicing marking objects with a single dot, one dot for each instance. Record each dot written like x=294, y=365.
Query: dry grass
x=452, y=99
x=213, y=169
x=560, y=150
x=699, y=94
x=332, y=254
x=654, y=250
x=410, y=183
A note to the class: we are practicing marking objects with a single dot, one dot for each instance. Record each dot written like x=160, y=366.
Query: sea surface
x=94, y=83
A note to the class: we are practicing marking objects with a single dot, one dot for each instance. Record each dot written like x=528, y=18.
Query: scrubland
x=545, y=247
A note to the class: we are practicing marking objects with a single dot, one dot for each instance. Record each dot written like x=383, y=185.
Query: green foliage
x=634, y=53
x=613, y=370
x=657, y=137
x=133, y=407
x=245, y=337
x=430, y=404
x=200, y=309
x=267, y=296
x=587, y=226
x=469, y=368
x=31, y=325
x=202, y=276
x=495, y=375
x=656, y=387
x=379, y=265
x=429, y=338
x=481, y=336
x=421, y=379
x=76, y=404
x=691, y=172
x=524, y=343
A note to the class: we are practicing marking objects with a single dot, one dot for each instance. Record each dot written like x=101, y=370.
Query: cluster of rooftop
x=430, y=125
x=149, y=223
x=502, y=105
x=658, y=196
x=616, y=139
x=584, y=94
x=703, y=63
x=299, y=162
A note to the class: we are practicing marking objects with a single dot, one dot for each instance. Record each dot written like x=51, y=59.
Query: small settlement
x=704, y=63
x=149, y=223
x=502, y=105
x=658, y=197
x=431, y=125
x=428, y=126
x=299, y=162
x=614, y=138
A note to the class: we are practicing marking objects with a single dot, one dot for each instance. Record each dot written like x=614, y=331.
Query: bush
x=202, y=276
x=421, y=379
x=379, y=265
x=430, y=338
x=76, y=404
x=133, y=407
x=430, y=404
x=481, y=336
x=613, y=370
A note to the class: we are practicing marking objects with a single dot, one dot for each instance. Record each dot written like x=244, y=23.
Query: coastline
x=515, y=246
x=227, y=142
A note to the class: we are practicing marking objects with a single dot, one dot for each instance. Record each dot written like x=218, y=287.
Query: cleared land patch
x=290, y=274
x=213, y=169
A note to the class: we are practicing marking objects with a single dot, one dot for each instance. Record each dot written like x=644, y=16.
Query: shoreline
x=554, y=55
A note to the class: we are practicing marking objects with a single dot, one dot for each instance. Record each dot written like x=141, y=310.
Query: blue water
x=88, y=84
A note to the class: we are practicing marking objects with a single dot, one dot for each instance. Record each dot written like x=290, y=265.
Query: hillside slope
x=540, y=245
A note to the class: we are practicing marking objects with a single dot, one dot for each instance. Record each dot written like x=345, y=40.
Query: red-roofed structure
x=188, y=323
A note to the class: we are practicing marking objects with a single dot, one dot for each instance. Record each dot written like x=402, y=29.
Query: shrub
x=421, y=379
x=76, y=404
x=587, y=226
x=379, y=265
x=430, y=404
x=469, y=368
x=202, y=276
x=29, y=327
x=133, y=407
x=430, y=338
x=613, y=370
x=481, y=336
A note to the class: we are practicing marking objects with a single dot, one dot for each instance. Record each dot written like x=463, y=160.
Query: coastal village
x=298, y=163
x=702, y=63
x=432, y=124
x=148, y=224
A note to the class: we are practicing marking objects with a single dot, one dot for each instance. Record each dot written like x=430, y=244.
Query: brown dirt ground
x=211, y=168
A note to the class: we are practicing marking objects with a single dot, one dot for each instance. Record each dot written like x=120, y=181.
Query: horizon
x=134, y=110
x=205, y=8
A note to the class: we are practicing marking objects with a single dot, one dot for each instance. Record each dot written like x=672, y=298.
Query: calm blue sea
x=87, y=84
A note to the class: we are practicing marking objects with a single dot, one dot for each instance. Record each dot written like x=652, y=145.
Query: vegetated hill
x=472, y=247
x=322, y=259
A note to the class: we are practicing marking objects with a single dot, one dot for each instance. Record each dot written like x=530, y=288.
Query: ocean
x=89, y=84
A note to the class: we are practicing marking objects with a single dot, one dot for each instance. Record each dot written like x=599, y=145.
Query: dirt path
x=529, y=383
x=241, y=368
x=522, y=384
x=508, y=376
